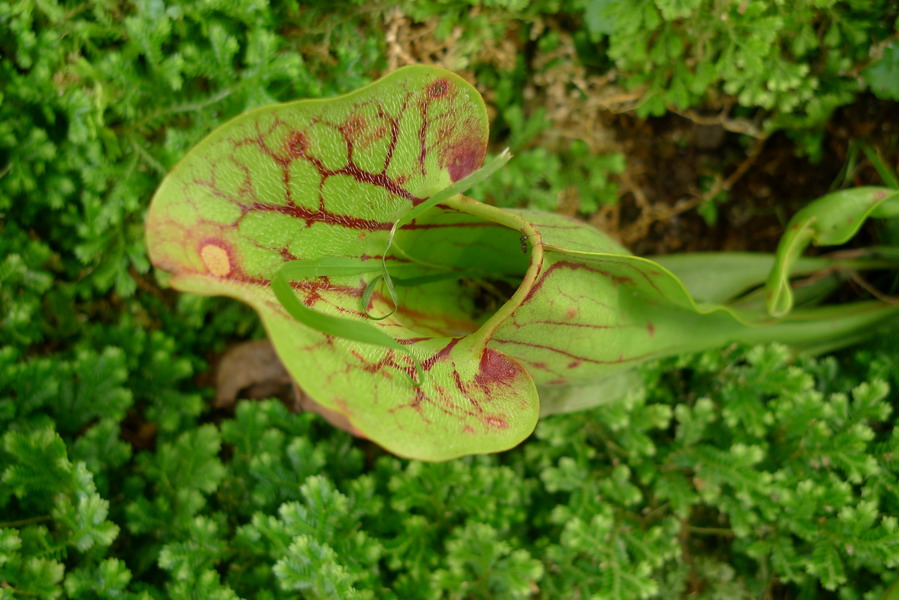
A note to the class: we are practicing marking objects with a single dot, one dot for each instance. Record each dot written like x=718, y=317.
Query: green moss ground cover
x=742, y=474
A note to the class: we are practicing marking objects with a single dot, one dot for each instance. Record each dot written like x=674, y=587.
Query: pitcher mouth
x=490, y=258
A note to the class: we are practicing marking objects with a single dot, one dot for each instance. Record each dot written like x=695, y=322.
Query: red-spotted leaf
x=320, y=179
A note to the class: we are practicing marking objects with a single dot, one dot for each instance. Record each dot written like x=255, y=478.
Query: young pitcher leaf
x=828, y=221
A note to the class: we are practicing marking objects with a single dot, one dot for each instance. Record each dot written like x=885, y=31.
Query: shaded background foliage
x=675, y=124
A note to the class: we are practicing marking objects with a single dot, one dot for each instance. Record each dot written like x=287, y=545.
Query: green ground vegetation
x=741, y=474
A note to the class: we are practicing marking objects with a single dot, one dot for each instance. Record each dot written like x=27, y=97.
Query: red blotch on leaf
x=438, y=89
x=297, y=143
x=463, y=158
x=496, y=369
x=353, y=126
x=495, y=421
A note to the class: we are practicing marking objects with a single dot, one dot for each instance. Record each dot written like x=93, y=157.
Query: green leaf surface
x=83, y=514
x=314, y=568
x=38, y=467
x=108, y=579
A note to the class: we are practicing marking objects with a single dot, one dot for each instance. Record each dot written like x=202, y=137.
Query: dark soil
x=672, y=157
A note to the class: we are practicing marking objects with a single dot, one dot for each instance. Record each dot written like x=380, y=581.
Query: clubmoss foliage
x=733, y=475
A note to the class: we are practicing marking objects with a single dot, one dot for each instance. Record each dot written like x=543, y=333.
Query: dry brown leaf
x=249, y=370
x=252, y=370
